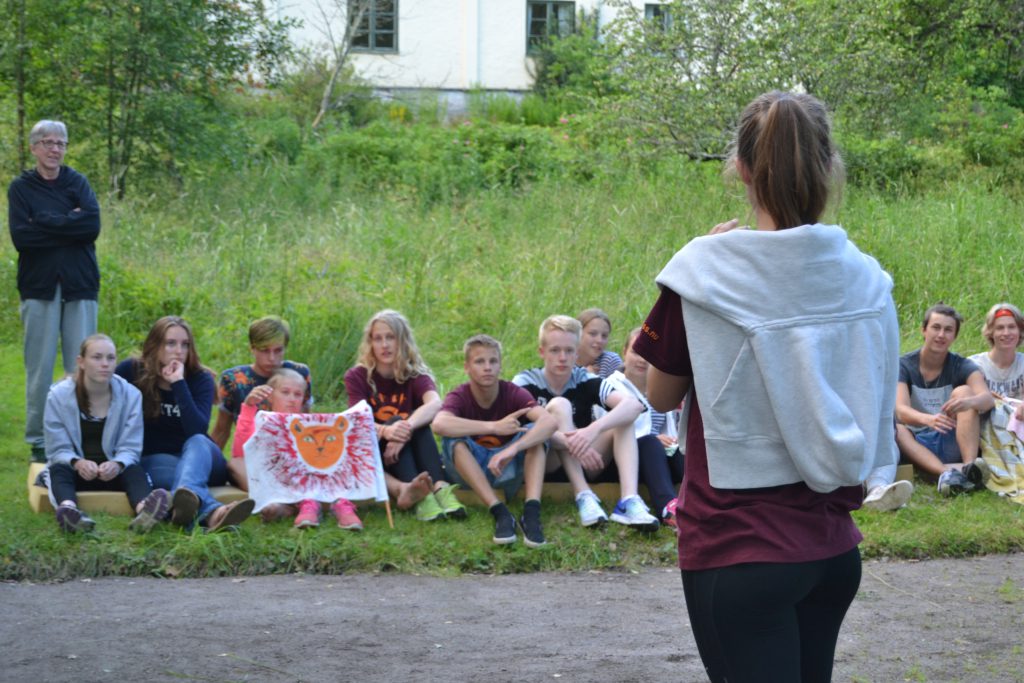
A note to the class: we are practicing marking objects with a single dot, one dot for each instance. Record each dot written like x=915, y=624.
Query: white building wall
x=447, y=45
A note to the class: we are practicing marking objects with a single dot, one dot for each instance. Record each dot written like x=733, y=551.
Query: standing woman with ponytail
x=784, y=339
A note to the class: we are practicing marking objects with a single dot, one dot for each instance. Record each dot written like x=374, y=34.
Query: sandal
x=230, y=515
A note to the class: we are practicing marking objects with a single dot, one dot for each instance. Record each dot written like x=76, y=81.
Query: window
x=546, y=20
x=377, y=30
x=657, y=14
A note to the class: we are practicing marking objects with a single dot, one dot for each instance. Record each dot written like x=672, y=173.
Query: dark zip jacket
x=55, y=243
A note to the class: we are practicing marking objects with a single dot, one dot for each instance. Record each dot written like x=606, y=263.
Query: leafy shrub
x=985, y=126
x=435, y=162
x=276, y=138
x=577, y=69
x=535, y=110
x=879, y=163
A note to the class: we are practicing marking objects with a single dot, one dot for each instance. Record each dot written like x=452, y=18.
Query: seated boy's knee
x=962, y=391
x=461, y=450
x=559, y=405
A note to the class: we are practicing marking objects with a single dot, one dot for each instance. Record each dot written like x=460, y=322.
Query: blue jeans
x=199, y=466
x=943, y=446
x=510, y=479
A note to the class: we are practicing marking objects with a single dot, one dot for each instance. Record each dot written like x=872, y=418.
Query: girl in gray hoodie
x=93, y=434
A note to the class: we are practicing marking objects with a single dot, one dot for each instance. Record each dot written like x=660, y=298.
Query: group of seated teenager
x=140, y=426
x=944, y=402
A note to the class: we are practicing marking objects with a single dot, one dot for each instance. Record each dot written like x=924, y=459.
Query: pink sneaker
x=345, y=511
x=668, y=515
x=309, y=514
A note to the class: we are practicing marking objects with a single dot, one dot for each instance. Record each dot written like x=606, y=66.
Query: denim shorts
x=943, y=446
x=510, y=479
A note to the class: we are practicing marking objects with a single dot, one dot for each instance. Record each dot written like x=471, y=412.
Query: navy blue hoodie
x=55, y=243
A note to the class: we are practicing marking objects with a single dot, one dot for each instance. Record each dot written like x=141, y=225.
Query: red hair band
x=1004, y=312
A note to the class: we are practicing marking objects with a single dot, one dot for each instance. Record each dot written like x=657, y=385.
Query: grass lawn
x=34, y=549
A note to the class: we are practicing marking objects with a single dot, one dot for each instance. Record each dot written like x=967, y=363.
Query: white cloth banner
x=319, y=456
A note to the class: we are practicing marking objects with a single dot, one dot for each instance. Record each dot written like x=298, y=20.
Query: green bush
x=276, y=138
x=879, y=163
x=536, y=110
x=577, y=69
x=437, y=162
x=988, y=130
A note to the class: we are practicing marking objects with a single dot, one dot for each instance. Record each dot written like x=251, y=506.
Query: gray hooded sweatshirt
x=122, y=431
x=794, y=344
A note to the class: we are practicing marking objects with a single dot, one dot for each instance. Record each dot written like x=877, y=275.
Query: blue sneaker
x=633, y=512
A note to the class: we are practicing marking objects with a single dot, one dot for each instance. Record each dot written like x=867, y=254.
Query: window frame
x=372, y=30
x=533, y=42
x=657, y=12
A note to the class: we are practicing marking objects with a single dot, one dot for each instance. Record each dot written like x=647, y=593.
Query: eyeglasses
x=53, y=144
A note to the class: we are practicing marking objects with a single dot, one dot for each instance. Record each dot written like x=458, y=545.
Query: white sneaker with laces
x=890, y=497
x=632, y=511
x=589, y=506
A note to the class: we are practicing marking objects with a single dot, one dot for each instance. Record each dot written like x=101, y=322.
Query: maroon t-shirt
x=460, y=403
x=391, y=398
x=723, y=527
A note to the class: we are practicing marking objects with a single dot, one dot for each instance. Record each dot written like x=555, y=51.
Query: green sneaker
x=428, y=509
x=449, y=501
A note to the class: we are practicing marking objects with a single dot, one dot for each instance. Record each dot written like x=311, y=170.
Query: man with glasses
x=54, y=220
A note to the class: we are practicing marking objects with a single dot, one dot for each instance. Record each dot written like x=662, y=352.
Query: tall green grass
x=326, y=253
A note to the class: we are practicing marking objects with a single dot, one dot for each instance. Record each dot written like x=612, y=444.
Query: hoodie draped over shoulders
x=794, y=344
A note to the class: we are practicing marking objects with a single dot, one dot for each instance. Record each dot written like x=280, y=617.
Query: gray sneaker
x=589, y=506
x=154, y=509
x=73, y=520
x=953, y=483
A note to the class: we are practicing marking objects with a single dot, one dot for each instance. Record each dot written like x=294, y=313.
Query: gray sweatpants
x=46, y=322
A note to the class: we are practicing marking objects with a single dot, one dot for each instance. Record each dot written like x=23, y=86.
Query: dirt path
x=944, y=620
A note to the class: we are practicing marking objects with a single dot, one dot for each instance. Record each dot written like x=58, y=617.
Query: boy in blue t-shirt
x=940, y=397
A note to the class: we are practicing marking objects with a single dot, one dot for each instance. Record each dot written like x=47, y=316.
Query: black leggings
x=765, y=622
x=64, y=482
x=419, y=454
x=655, y=472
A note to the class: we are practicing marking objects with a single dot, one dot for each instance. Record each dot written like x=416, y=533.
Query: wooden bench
x=557, y=492
x=111, y=502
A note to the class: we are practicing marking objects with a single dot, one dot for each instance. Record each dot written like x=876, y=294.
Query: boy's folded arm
x=544, y=426
x=451, y=425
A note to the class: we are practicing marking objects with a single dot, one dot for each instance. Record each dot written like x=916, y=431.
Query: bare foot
x=413, y=492
x=276, y=511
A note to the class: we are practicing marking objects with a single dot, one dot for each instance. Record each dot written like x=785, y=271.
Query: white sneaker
x=589, y=506
x=633, y=512
x=890, y=497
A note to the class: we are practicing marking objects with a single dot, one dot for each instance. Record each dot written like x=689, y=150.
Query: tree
x=352, y=15
x=143, y=76
x=884, y=66
x=688, y=73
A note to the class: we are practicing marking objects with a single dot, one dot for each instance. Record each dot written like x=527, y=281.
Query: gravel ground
x=942, y=620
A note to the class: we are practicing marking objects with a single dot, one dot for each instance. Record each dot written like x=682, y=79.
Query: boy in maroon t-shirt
x=484, y=445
